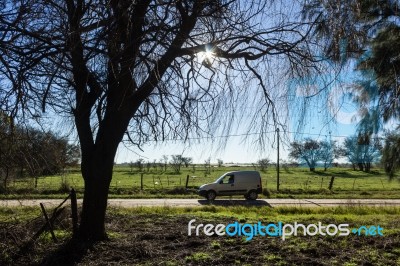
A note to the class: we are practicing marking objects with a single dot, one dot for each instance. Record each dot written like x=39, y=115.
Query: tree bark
x=97, y=173
x=92, y=226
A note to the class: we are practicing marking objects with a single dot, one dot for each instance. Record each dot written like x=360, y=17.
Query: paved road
x=221, y=202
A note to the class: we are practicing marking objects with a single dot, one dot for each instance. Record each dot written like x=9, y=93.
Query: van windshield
x=219, y=179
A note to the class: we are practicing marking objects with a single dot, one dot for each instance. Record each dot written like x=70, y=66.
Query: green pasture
x=294, y=182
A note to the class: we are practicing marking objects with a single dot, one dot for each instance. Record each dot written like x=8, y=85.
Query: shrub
x=64, y=186
x=266, y=192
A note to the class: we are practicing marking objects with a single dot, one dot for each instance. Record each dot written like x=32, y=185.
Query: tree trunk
x=94, y=210
x=367, y=167
x=97, y=178
x=312, y=169
x=97, y=170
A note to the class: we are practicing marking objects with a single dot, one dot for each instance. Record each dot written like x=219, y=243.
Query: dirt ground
x=154, y=239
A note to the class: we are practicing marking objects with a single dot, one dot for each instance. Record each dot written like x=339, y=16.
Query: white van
x=247, y=183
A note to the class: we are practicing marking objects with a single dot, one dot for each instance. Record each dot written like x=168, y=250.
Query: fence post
x=141, y=181
x=331, y=183
x=159, y=179
x=74, y=211
x=187, y=181
x=49, y=225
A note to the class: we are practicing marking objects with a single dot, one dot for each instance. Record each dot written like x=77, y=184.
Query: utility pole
x=277, y=161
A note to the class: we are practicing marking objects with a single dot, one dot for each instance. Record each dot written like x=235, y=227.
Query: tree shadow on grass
x=343, y=174
x=69, y=253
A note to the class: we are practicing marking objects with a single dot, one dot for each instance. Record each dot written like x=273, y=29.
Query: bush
x=266, y=192
x=64, y=186
x=177, y=191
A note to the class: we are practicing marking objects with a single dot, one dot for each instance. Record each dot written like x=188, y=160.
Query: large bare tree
x=143, y=70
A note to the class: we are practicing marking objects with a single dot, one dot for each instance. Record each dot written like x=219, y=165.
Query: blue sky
x=330, y=113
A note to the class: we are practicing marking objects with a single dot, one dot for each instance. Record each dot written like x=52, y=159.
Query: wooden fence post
x=74, y=211
x=141, y=181
x=331, y=183
x=187, y=181
x=49, y=225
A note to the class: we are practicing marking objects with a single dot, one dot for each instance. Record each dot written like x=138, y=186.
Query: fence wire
x=23, y=229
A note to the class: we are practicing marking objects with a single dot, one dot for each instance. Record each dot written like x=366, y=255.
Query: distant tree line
x=31, y=152
x=361, y=151
x=176, y=162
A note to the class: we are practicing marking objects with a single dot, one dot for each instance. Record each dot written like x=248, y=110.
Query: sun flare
x=205, y=56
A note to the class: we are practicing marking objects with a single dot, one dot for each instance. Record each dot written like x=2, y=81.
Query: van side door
x=227, y=185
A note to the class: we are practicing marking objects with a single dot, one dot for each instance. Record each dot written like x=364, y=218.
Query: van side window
x=229, y=179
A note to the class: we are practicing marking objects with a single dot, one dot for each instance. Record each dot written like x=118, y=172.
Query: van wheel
x=252, y=195
x=211, y=195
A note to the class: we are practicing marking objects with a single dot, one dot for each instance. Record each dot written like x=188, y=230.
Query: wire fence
x=125, y=181
x=23, y=229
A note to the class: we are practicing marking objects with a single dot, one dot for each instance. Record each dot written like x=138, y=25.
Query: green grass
x=158, y=236
x=207, y=210
x=352, y=214
x=386, y=217
x=198, y=257
x=19, y=214
x=294, y=182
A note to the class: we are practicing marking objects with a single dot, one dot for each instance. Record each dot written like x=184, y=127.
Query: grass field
x=158, y=236
x=294, y=182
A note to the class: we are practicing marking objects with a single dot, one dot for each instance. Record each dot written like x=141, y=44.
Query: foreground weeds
x=158, y=236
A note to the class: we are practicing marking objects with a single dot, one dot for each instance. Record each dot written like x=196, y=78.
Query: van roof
x=243, y=172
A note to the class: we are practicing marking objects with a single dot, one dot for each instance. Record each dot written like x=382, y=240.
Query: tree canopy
x=368, y=31
x=308, y=151
x=362, y=151
x=390, y=154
